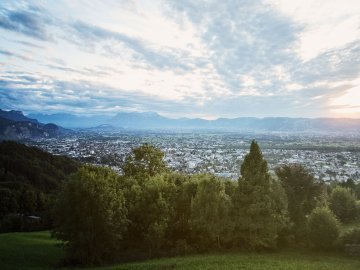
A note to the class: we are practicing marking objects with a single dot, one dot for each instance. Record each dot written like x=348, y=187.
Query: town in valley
x=329, y=158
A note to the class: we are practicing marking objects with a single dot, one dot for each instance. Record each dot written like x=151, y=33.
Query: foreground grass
x=35, y=250
x=38, y=251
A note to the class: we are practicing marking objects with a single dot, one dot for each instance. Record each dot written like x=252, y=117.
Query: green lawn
x=38, y=251
x=35, y=250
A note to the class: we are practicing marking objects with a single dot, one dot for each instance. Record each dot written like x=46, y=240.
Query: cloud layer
x=182, y=58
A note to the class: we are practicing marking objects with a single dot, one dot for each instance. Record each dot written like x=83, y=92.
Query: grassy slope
x=38, y=251
x=35, y=250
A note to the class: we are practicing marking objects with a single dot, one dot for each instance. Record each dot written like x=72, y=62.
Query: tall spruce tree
x=260, y=214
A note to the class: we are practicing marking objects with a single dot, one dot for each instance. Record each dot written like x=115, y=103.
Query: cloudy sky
x=230, y=58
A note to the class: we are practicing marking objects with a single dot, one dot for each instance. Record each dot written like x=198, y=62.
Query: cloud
x=12, y=54
x=340, y=64
x=30, y=22
x=327, y=24
x=29, y=44
x=33, y=93
x=246, y=39
x=90, y=35
x=223, y=58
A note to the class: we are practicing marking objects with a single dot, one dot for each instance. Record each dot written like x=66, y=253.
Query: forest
x=150, y=211
x=29, y=181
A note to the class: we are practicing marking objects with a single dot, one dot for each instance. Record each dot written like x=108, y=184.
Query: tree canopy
x=90, y=215
x=302, y=192
x=144, y=161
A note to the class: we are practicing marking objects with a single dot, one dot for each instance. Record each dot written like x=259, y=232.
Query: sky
x=208, y=59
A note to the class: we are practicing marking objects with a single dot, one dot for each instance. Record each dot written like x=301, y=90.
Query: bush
x=357, y=210
x=343, y=204
x=90, y=216
x=323, y=228
x=351, y=237
x=11, y=223
x=351, y=242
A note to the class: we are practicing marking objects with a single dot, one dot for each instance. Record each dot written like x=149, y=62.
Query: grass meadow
x=37, y=250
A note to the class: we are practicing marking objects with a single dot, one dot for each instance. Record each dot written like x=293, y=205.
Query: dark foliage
x=302, y=192
x=90, y=215
x=323, y=228
x=29, y=178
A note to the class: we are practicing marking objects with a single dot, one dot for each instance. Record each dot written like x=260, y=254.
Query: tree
x=149, y=211
x=144, y=161
x=155, y=211
x=179, y=225
x=302, y=192
x=323, y=228
x=8, y=202
x=210, y=213
x=343, y=203
x=28, y=201
x=349, y=183
x=259, y=216
x=90, y=215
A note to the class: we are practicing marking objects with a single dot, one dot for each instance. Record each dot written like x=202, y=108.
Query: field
x=38, y=251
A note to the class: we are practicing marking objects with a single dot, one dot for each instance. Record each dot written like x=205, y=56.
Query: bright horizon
x=206, y=59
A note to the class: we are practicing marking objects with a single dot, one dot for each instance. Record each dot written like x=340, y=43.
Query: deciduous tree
x=90, y=215
x=144, y=161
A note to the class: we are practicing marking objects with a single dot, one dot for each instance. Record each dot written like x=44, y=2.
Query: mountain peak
x=17, y=112
x=16, y=116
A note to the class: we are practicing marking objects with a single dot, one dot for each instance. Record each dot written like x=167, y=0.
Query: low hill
x=31, y=166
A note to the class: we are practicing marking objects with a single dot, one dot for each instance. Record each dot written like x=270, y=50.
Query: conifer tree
x=259, y=214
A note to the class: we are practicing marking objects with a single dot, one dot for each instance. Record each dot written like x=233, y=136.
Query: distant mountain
x=154, y=121
x=135, y=120
x=103, y=128
x=16, y=116
x=71, y=121
x=15, y=126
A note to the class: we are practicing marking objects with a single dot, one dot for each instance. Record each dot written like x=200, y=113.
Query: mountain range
x=154, y=121
x=14, y=125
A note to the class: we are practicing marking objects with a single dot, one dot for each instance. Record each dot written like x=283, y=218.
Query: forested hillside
x=29, y=178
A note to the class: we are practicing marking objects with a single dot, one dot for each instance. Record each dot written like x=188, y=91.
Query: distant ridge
x=154, y=121
x=14, y=125
x=16, y=116
x=71, y=121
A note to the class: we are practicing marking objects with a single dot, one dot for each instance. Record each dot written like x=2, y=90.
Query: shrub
x=343, y=204
x=357, y=210
x=323, y=228
x=351, y=237
x=11, y=223
x=351, y=242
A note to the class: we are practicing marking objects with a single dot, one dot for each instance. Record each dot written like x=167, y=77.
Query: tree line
x=151, y=211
